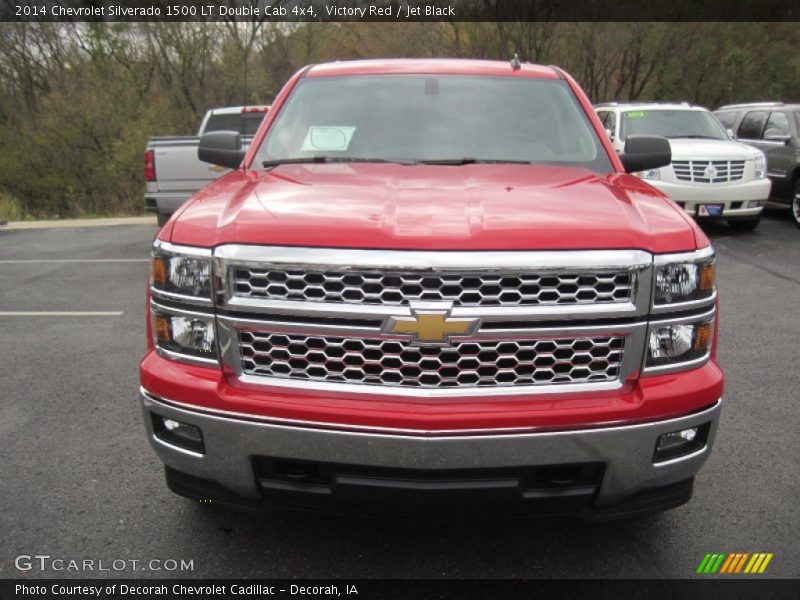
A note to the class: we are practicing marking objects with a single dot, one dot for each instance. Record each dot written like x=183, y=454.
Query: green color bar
x=702, y=566
x=718, y=564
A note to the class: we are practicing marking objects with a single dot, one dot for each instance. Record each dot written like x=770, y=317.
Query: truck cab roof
x=437, y=66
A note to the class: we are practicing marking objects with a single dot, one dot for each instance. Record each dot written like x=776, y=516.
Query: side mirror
x=645, y=152
x=223, y=148
x=776, y=135
x=610, y=134
x=730, y=133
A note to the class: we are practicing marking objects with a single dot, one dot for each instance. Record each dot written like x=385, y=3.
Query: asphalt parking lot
x=79, y=480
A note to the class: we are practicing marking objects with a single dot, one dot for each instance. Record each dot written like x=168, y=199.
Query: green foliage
x=78, y=102
x=10, y=208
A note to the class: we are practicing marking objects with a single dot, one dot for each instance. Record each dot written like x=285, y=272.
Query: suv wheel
x=745, y=224
x=796, y=203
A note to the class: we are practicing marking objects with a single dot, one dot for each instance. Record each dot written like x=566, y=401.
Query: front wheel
x=796, y=203
x=745, y=224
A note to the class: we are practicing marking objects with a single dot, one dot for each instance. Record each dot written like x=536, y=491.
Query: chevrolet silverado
x=432, y=287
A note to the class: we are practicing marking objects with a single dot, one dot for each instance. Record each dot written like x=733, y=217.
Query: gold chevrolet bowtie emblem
x=431, y=327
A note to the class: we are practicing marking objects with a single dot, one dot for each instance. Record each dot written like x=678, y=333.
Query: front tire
x=796, y=203
x=745, y=224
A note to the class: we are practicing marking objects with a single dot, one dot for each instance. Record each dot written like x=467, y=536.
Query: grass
x=11, y=209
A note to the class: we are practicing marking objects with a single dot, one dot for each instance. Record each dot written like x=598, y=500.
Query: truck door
x=778, y=145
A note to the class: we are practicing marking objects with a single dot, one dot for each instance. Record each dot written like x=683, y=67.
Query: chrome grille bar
x=724, y=171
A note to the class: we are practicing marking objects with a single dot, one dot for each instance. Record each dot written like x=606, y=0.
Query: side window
x=612, y=124
x=609, y=120
x=752, y=126
x=728, y=119
x=778, y=121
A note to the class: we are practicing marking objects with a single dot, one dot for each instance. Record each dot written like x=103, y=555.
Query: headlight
x=186, y=336
x=759, y=166
x=675, y=344
x=679, y=280
x=181, y=271
x=652, y=174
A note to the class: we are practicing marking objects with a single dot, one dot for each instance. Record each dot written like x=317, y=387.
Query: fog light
x=178, y=434
x=680, y=443
x=753, y=204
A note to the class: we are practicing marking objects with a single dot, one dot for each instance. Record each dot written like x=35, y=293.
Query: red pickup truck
x=432, y=287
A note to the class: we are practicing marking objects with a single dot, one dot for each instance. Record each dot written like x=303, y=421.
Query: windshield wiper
x=468, y=160
x=324, y=160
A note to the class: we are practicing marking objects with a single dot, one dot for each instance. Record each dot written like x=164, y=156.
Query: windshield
x=672, y=124
x=447, y=119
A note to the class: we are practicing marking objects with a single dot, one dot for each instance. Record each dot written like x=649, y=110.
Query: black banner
x=396, y=10
x=416, y=589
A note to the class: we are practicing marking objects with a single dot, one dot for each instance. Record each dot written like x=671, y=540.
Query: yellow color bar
x=751, y=564
x=765, y=563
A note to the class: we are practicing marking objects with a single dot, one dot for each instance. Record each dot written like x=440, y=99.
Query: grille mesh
x=697, y=171
x=464, y=365
x=400, y=288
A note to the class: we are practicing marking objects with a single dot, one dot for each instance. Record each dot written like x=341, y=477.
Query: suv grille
x=464, y=365
x=400, y=288
x=705, y=171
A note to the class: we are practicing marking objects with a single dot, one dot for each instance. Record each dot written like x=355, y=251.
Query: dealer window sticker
x=328, y=138
x=636, y=114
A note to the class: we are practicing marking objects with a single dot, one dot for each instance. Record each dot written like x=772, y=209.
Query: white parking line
x=73, y=260
x=51, y=313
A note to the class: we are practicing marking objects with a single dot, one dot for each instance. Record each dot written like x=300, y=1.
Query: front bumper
x=734, y=198
x=234, y=446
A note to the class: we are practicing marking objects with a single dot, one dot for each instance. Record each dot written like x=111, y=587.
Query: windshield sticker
x=328, y=138
x=637, y=114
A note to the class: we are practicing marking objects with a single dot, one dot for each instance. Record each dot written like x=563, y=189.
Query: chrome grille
x=697, y=171
x=402, y=287
x=466, y=364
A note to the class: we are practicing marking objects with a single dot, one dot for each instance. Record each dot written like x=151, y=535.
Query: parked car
x=173, y=172
x=711, y=176
x=774, y=128
x=413, y=293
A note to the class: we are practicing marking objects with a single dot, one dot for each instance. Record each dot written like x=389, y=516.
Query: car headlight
x=683, y=278
x=184, y=336
x=652, y=174
x=675, y=344
x=759, y=166
x=181, y=271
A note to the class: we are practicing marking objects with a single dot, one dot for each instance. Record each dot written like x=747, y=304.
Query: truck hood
x=698, y=149
x=469, y=207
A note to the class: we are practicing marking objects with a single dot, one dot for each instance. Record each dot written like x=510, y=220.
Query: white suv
x=711, y=175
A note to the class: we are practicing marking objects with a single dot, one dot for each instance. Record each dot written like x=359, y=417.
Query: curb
x=77, y=223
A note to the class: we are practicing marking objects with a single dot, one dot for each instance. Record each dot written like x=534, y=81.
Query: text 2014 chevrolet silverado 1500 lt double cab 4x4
x=430, y=286
x=172, y=171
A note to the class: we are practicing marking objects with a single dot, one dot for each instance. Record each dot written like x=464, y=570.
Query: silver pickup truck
x=173, y=172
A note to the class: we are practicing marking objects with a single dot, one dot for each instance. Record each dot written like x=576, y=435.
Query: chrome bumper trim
x=626, y=450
